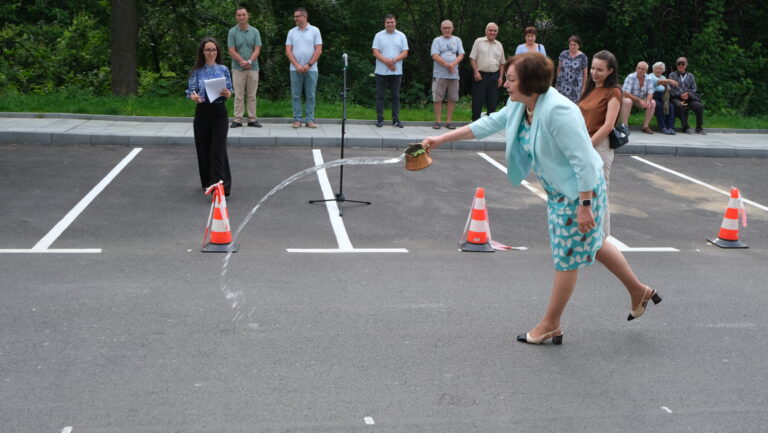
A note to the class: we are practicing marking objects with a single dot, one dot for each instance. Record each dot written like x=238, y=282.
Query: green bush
x=49, y=45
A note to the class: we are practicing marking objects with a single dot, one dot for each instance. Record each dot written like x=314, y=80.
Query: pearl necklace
x=529, y=115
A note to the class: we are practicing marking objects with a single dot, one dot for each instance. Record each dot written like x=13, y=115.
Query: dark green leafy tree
x=58, y=44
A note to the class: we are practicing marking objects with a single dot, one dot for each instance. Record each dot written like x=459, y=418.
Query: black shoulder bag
x=619, y=135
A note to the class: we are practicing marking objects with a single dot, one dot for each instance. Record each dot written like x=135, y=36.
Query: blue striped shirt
x=207, y=72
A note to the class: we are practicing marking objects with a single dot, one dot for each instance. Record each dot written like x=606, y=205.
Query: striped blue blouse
x=198, y=76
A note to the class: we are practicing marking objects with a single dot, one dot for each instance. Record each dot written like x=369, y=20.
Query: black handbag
x=619, y=135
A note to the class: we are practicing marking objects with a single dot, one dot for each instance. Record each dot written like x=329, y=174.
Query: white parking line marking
x=619, y=244
x=53, y=251
x=351, y=250
x=333, y=209
x=706, y=185
x=342, y=238
x=58, y=229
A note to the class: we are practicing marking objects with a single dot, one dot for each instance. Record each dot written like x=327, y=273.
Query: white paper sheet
x=214, y=87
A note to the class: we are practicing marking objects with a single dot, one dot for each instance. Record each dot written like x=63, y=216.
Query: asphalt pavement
x=119, y=323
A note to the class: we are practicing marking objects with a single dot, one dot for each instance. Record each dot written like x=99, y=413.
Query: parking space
x=141, y=337
x=155, y=200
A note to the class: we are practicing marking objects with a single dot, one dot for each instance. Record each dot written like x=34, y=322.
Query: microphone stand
x=340, y=196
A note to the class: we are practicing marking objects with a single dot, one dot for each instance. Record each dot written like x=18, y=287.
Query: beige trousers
x=606, y=154
x=246, y=83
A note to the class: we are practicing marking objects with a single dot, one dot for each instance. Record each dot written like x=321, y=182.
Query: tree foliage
x=49, y=45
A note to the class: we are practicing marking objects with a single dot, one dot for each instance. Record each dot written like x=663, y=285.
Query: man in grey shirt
x=447, y=52
x=244, y=43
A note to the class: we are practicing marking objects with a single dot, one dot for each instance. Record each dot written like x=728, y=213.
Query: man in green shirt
x=244, y=44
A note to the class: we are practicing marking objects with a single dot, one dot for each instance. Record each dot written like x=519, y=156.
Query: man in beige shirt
x=487, y=58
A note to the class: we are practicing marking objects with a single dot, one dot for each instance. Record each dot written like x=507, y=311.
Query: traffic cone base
x=722, y=243
x=221, y=248
x=476, y=248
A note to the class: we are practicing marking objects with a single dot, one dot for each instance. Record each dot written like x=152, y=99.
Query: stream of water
x=236, y=298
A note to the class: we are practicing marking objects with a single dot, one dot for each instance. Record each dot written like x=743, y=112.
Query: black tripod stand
x=340, y=196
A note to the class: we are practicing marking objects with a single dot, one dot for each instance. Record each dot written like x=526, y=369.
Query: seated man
x=638, y=91
x=684, y=96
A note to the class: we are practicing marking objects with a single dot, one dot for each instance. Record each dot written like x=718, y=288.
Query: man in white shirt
x=303, y=47
x=390, y=47
x=487, y=59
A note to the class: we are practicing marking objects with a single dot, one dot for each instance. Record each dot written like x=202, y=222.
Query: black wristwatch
x=586, y=202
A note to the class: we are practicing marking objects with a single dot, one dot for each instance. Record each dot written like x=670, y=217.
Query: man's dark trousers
x=485, y=92
x=696, y=106
x=391, y=82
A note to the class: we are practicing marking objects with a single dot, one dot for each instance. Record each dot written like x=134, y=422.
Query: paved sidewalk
x=61, y=129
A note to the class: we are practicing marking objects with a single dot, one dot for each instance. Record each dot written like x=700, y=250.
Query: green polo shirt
x=244, y=42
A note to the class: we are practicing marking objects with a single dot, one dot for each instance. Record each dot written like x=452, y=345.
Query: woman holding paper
x=211, y=118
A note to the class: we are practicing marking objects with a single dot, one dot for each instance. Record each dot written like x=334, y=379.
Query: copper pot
x=417, y=162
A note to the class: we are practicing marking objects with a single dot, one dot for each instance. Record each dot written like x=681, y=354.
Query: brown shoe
x=647, y=130
x=297, y=124
x=311, y=125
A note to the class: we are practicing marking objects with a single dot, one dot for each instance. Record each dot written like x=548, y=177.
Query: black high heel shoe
x=637, y=312
x=556, y=336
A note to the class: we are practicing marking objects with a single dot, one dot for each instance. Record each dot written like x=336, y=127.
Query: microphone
x=345, y=57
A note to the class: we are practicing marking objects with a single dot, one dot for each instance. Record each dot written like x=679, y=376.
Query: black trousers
x=485, y=92
x=391, y=82
x=211, y=128
x=696, y=106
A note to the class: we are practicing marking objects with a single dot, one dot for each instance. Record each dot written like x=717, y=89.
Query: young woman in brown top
x=600, y=105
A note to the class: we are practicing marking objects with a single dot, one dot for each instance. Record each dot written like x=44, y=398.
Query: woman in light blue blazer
x=547, y=134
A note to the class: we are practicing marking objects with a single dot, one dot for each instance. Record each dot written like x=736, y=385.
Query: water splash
x=237, y=298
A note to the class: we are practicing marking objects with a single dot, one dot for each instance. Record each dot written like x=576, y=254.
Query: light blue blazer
x=560, y=143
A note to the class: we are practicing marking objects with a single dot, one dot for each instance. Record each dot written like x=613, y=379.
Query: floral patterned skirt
x=572, y=249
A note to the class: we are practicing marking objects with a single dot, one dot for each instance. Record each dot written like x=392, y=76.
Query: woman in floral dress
x=572, y=70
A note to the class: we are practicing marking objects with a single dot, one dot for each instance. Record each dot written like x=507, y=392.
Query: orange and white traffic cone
x=477, y=231
x=218, y=223
x=729, y=230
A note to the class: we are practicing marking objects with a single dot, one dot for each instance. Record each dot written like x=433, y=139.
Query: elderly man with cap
x=685, y=97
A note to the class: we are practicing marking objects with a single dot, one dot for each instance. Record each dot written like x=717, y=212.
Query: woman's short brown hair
x=529, y=30
x=534, y=72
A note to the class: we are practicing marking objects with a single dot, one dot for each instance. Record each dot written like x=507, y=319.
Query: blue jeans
x=665, y=121
x=306, y=82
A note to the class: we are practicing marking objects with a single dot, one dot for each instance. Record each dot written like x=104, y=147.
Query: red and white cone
x=477, y=231
x=218, y=223
x=729, y=229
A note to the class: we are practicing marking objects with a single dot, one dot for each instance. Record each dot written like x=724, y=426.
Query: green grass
x=73, y=102
x=712, y=120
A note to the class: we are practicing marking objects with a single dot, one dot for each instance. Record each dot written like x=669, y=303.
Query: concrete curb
x=366, y=141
